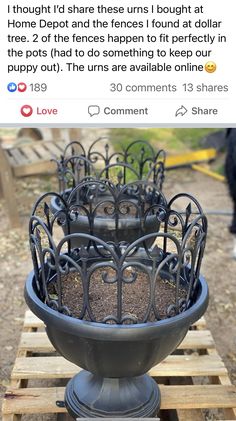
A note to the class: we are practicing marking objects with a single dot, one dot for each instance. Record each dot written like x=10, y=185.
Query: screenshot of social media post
x=117, y=210
x=117, y=64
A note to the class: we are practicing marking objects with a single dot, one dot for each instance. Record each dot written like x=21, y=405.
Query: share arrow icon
x=181, y=111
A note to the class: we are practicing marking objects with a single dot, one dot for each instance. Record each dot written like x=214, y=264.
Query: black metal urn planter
x=118, y=308
x=100, y=198
x=138, y=161
x=112, y=212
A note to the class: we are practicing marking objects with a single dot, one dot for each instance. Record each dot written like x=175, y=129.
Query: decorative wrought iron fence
x=162, y=260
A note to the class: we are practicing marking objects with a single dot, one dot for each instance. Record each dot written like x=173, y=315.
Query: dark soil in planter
x=103, y=295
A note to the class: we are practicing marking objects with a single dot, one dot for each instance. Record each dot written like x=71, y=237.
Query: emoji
x=26, y=110
x=22, y=87
x=12, y=87
x=210, y=67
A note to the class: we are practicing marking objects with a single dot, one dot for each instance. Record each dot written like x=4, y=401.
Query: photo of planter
x=87, y=290
x=119, y=274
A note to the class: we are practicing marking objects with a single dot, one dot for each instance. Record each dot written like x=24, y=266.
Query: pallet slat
x=39, y=342
x=43, y=153
x=33, y=168
x=19, y=157
x=30, y=153
x=189, y=365
x=43, y=400
x=31, y=320
x=33, y=400
x=198, y=396
x=55, y=149
x=173, y=365
x=61, y=145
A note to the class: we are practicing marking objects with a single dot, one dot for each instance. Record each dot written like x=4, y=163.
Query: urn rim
x=114, y=332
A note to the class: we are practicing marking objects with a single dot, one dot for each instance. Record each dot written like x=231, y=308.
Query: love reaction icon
x=22, y=87
x=26, y=110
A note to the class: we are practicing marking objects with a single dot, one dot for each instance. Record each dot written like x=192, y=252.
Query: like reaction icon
x=12, y=87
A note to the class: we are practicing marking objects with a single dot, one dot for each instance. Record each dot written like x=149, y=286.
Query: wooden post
x=7, y=185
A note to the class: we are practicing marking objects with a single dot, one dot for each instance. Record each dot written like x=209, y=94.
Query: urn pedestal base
x=91, y=396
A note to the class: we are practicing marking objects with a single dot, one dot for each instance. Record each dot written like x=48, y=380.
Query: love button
x=47, y=111
x=26, y=110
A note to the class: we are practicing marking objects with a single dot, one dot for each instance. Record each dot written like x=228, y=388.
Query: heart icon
x=22, y=87
x=26, y=110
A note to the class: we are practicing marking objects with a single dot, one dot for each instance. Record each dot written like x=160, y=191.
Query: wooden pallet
x=179, y=377
x=34, y=158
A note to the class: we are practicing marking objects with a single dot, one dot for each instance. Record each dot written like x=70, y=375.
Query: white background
x=71, y=93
